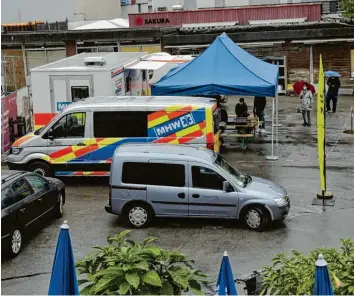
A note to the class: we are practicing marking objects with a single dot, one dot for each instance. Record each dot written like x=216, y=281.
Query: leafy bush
x=128, y=268
x=295, y=274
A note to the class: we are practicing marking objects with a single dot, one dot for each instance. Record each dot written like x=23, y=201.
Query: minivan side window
x=166, y=174
x=70, y=126
x=206, y=178
x=135, y=173
x=120, y=124
x=159, y=174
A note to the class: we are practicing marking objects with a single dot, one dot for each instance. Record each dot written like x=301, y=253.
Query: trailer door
x=67, y=89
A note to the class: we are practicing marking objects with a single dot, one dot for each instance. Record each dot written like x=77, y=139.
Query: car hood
x=265, y=188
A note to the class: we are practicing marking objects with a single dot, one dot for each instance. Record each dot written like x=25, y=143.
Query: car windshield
x=240, y=179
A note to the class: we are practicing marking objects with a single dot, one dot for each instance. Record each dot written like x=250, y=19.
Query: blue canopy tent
x=223, y=68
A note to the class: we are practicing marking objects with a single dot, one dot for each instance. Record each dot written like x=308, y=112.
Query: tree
x=125, y=267
x=348, y=8
x=295, y=274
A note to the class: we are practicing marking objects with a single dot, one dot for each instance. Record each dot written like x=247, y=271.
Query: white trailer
x=58, y=84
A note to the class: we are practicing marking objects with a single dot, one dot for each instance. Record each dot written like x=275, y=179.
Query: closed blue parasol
x=323, y=285
x=63, y=280
x=225, y=284
x=332, y=74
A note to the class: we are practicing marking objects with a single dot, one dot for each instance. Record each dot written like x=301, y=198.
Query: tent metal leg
x=277, y=124
x=272, y=156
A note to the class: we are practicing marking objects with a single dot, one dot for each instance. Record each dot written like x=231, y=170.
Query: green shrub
x=125, y=267
x=295, y=274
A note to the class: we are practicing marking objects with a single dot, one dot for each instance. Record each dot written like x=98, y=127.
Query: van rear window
x=160, y=174
x=135, y=173
x=120, y=124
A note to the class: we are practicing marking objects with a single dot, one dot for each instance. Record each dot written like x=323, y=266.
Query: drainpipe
x=311, y=65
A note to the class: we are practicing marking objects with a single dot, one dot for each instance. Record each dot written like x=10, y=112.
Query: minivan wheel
x=15, y=242
x=255, y=218
x=138, y=215
x=40, y=168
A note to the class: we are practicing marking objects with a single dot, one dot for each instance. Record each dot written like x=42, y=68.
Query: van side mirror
x=226, y=186
x=50, y=135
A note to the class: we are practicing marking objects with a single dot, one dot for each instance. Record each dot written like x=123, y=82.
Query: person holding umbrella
x=306, y=104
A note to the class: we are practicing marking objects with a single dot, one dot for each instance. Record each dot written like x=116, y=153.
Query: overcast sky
x=36, y=10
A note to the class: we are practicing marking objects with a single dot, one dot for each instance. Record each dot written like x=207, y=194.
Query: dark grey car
x=25, y=199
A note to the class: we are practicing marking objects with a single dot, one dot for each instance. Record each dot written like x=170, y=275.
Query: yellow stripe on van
x=188, y=131
x=65, y=158
x=175, y=141
x=209, y=120
x=170, y=109
x=158, y=121
x=107, y=141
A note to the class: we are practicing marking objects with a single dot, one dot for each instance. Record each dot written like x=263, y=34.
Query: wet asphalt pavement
x=205, y=241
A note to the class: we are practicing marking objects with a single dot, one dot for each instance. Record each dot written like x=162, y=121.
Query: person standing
x=306, y=105
x=332, y=93
x=258, y=110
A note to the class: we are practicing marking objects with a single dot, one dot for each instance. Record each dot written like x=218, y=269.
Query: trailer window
x=123, y=124
x=79, y=92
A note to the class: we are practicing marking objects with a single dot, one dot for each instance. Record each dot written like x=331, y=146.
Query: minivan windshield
x=239, y=178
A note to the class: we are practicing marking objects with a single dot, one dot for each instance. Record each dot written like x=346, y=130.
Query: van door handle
x=40, y=200
x=22, y=210
x=81, y=144
x=181, y=195
x=195, y=195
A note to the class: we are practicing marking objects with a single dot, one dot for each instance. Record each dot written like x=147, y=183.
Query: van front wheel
x=138, y=215
x=40, y=168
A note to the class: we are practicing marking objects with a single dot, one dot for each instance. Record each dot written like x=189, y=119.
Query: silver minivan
x=162, y=180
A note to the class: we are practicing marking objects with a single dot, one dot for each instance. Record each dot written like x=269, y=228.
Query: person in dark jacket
x=332, y=93
x=241, y=108
x=258, y=110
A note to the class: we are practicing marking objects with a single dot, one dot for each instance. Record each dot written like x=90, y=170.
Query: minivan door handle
x=22, y=210
x=195, y=195
x=181, y=195
x=81, y=144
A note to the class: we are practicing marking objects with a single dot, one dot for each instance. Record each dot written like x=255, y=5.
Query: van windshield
x=239, y=178
x=38, y=131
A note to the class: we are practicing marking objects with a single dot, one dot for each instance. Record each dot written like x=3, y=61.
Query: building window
x=150, y=8
x=164, y=8
x=79, y=92
x=120, y=124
